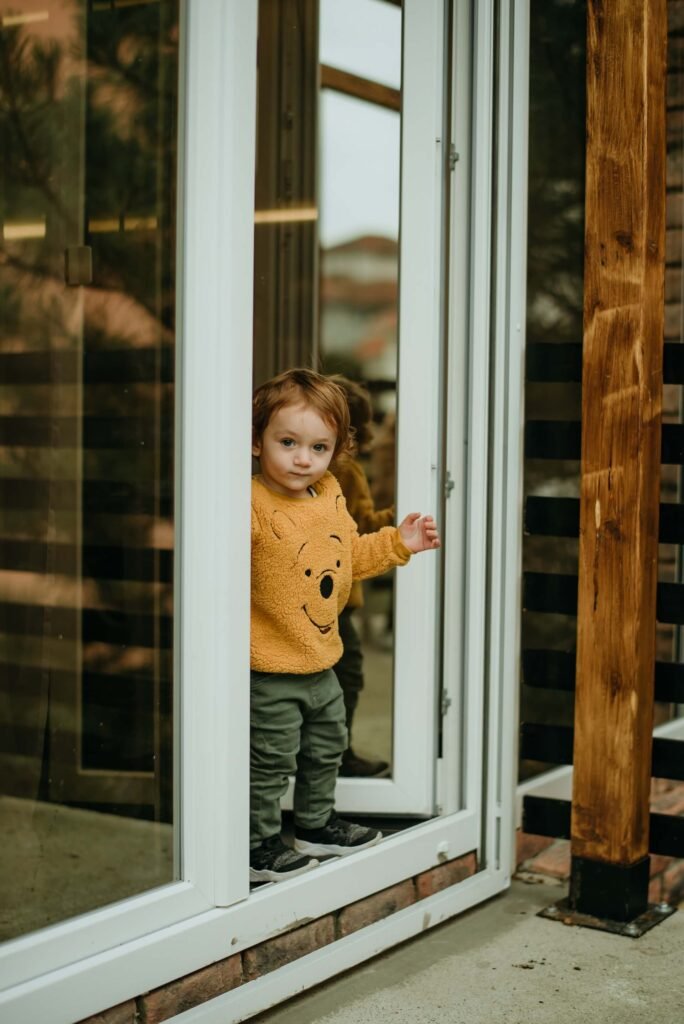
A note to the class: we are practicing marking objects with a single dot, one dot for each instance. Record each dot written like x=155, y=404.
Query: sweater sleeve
x=375, y=553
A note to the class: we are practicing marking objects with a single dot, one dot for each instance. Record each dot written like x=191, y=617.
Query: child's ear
x=256, y=449
x=282, y=525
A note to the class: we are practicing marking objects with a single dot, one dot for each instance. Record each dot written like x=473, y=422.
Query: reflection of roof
x=363, y=270
x=376, y=244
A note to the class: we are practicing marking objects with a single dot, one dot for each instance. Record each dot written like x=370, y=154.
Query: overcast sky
x=359, y=158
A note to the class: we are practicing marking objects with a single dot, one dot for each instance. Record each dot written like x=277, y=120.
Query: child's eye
x=320, y=448
x=287, y=442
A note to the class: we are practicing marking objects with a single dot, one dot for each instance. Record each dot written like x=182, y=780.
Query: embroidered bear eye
x=308, y=572
x=338, y=563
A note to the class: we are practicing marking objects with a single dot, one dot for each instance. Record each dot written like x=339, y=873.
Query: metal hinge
x=454, y=157
x=445, y=703
x=448, y=484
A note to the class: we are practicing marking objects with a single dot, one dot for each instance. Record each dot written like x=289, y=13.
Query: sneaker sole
x=329, y=849
x=266, y=875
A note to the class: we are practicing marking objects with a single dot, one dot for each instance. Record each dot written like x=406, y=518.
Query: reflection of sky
x=359, y=158
x=359, y=169
x=364, y=37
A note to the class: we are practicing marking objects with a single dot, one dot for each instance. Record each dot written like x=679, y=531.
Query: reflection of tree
x=88, y=139
x=29, y=74
x=556, y=170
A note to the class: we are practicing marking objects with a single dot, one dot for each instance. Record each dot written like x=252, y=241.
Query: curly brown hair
x=322, y=393
x=360, y=409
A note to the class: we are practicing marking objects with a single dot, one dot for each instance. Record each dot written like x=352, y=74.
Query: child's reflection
x=352, y=479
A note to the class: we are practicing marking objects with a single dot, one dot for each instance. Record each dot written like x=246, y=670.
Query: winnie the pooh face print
x=322, y=584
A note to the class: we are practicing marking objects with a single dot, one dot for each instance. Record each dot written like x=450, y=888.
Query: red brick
x=528, y=845
x=655, y=890
x=659, y=864
x=274, y=953
x=444, y=875
x=376, y=907
x=671, y=802
x=192, y=990
x=660, y=786
x=554, y=862
x=124, y=1013
x=673, y=882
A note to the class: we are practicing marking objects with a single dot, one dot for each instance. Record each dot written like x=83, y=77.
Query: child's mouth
x=321, y=629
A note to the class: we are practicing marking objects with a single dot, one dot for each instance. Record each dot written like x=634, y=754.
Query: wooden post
x=621, y=423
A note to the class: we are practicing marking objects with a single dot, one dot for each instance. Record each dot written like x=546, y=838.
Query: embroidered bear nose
x=326, y=586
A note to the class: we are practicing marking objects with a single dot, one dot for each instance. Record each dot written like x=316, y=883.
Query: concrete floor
x=501, y=964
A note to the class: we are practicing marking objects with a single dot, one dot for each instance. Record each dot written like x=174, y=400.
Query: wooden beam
x=360, y=88
x=621, y=413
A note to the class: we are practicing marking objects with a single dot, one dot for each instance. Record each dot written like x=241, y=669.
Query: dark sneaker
x=337, y=838
x=273, y=861
x=356, y=767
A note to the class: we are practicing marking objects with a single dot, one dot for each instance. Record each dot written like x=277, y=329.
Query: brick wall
x=541, y=857
x=163, y=1003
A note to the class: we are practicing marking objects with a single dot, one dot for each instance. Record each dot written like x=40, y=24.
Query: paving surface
x=501, y=964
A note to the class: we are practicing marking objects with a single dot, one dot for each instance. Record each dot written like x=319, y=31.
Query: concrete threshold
x=501, y=964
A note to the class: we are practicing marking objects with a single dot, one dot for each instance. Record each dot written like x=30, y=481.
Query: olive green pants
x=297, y=728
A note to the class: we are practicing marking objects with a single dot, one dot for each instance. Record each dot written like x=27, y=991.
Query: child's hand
x=419, y=533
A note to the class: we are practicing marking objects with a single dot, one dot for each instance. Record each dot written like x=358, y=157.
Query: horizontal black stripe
x=559, y=517
x=553, y=744
x=103, y=366
x=562, y=363
x=545, y=816
x=561, y=439
x=556, y=592
x=97, y=496
x=103, y=625
x=88, y=432
x=102, y=563
x=555, y=670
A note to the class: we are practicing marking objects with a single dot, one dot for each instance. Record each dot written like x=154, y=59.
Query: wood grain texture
x=621, y=418
x=360, y=88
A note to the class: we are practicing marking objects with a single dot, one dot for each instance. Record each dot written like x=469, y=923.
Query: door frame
x=126, y=951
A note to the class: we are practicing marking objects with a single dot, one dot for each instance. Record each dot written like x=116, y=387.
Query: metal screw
x=631, y=929
x=663, y=908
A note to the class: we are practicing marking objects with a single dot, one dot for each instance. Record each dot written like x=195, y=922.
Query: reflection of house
x=358, y=303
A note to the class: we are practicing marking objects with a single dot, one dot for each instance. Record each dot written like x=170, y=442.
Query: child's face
x=295, y=451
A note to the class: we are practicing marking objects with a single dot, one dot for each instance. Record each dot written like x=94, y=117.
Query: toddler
x=306, y=550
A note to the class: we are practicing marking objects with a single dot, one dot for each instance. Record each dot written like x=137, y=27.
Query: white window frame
x=411, y=789
x=221, y=87
x=213, y=447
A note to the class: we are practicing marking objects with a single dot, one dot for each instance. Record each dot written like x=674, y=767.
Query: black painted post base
x=613, y=891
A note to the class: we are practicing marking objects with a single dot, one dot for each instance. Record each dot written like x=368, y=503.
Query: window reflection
x=326, y=252
x=87, y=328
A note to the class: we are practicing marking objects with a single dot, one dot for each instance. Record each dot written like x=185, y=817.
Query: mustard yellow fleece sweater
x=305, y=554
x=360, y=505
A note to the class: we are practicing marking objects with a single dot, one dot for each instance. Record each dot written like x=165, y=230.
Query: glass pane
x=363, y=37
x=89, y=93
x=326, y=267
x=359, y=262
x=555, y=271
